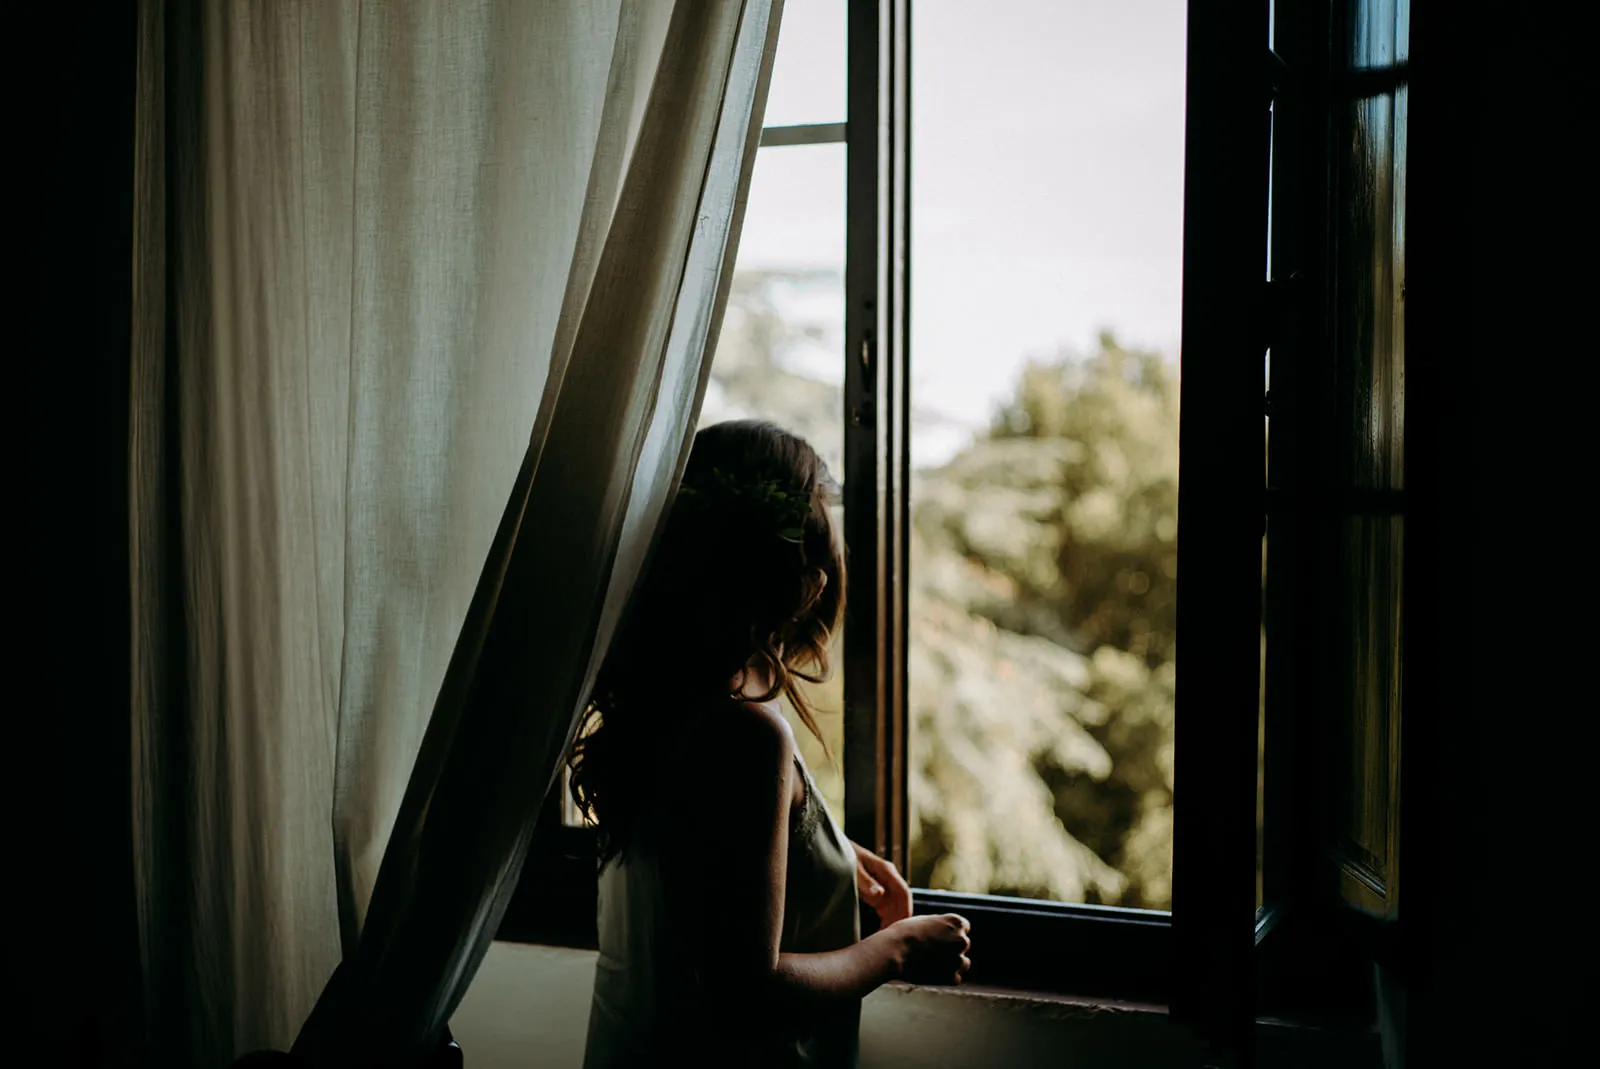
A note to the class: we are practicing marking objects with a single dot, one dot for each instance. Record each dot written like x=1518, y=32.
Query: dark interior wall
x=1500, y=610
x=69, y=946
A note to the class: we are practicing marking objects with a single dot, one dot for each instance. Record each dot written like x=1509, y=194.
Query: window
x=778, y=355
x=1336, y=500
x=1046, y=237
x=974, y=316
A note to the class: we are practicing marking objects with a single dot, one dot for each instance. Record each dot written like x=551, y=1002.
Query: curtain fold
x=392, y=261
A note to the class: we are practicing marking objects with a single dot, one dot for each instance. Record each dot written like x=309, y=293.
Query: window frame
x=1026, y=944
x=1320, y=928
x=1032, y=945
x=1221, y=460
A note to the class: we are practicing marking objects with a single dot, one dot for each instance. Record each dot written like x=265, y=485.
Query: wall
x=529, y=1007
x=1498, y=793
x=71, y=949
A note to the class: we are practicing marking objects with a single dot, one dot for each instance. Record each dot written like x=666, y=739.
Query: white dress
x=649, y=1008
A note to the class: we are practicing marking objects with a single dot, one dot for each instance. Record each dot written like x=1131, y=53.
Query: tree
x=1043, y=561
x=1056, y=534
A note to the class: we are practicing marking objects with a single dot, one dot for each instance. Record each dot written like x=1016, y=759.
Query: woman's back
x=658, y=909
x=729, y=931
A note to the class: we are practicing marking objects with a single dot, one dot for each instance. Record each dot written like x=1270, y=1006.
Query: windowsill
x=1057, y=1005
x=531, y=1004
x=1062, y=1007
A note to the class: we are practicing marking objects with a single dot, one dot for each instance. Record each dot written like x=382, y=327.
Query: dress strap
x=803, y=818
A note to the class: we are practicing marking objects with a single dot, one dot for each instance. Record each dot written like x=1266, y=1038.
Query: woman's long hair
x=748, y=572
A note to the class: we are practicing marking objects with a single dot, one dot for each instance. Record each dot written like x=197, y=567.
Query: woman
x=728, y=916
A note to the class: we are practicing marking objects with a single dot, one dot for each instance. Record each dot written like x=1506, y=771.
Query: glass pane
x=1370, y=320
x=1380, y=32
x=1261, y=694
x=1372, y=32
x=1371, y=628
x=1261, y=758
x=1393, y=223
x=808, y=73
x=1047, y=230
x=780, y=354
x=1371, y=262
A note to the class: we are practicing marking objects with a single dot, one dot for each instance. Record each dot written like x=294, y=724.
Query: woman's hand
x=882, y=887
x=932, y=950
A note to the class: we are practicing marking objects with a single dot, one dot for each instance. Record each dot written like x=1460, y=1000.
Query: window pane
x=780, y=355
x=1261, y=744
x=1370, y=260
x=1047, y=186
x=1380, y=32
x=808, y=72
x=1370, y=619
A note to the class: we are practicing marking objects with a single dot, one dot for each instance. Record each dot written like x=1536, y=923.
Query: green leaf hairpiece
x=785, y=507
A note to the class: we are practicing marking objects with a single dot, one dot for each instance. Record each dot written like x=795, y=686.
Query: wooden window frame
x=1320, y=927
x=1085, y=950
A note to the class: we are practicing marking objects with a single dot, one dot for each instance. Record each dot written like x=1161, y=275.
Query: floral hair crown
x=784, y=506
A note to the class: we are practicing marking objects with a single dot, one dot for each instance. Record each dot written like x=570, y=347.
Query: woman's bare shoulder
x=755, y=731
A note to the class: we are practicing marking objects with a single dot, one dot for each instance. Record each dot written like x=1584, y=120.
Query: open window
x=1336, y=503
x=972, y=246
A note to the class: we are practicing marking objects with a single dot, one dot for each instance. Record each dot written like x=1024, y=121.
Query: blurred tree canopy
x=1043, y=581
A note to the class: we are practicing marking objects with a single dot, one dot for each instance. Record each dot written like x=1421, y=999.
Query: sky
x=1047, y=185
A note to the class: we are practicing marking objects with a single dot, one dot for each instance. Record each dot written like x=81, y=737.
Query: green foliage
x=1058, y=526
x=777, y=505
x=1043, y=582
x=1115, y=581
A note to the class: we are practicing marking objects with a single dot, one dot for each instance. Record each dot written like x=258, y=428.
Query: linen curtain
x=424, y=296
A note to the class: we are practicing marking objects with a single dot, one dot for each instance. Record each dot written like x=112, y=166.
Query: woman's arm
x=753, y=760
x=850, y=973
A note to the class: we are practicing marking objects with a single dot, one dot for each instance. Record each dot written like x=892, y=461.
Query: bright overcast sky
x=1048, y=180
